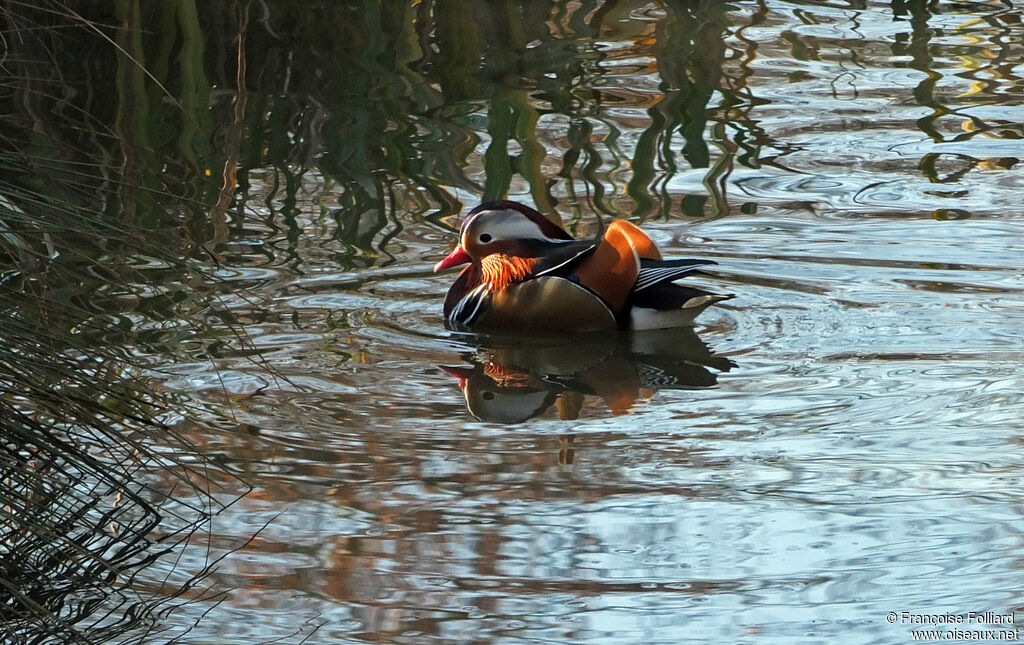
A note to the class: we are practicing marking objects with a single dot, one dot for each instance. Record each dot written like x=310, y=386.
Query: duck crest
x=499, y=270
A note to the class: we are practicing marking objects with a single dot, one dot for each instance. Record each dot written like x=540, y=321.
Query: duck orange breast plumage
x=527, y=273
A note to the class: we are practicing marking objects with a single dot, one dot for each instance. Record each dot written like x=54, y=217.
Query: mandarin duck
x=527, y=273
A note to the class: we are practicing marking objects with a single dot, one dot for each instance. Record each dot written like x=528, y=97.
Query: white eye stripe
x=503, y=225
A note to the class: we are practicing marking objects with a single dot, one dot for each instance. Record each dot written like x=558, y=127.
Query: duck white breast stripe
x=475, y=297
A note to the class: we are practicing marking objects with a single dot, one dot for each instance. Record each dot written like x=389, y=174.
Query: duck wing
x=561, y=259
x=656, y=272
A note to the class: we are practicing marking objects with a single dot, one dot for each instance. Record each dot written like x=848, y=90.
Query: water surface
x=841, y=440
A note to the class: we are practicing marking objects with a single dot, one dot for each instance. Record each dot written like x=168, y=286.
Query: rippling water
x=840, y=441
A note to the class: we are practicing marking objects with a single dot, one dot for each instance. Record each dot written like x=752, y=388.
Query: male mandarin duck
x=527, y=273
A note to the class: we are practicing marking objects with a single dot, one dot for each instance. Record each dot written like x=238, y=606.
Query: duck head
x=504, y=228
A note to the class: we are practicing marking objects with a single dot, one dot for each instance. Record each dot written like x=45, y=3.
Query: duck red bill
x=461, y=373
x=455, y=258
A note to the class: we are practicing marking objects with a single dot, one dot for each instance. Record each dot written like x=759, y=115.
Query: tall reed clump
x=96, y=487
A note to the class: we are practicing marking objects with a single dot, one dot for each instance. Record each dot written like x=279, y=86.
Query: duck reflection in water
x=515, y=378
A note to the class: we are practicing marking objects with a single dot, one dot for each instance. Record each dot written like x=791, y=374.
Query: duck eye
x=485, y=238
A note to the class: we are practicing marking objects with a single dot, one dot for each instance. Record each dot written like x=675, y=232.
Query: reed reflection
x=515, y=378
x=988, y=60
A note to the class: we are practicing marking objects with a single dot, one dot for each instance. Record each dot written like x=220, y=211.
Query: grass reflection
x=92, y=259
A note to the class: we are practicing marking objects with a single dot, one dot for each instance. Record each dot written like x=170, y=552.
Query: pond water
x=841, y=440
